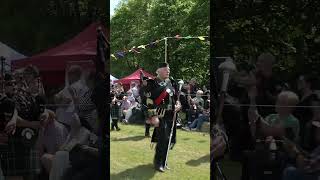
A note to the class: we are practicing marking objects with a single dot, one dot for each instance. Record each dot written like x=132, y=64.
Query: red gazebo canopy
x=135, y=76
x=53, y=62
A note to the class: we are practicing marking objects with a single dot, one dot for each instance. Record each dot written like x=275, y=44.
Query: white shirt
x=64, y=113
x=135, y=91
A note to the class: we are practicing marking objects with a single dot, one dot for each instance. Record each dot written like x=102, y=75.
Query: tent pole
x=166, y=50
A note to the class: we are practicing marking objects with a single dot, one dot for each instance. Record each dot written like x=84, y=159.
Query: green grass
x=132, y=158
x=231, y=169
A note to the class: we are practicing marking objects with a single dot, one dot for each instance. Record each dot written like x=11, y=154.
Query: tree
x=138, y=22
x=288, y=29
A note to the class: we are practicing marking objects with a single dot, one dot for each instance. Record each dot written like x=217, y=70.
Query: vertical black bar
x=2, y=65
x=101, y=98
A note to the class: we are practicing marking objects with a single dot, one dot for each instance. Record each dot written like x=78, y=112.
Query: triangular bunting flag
x=120, y=54
x=201, y=38
x=136, y=51
x=112, y=55
x=142, y=46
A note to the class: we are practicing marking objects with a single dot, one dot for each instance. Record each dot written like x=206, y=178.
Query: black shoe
x=160, y=169
x=172, y=145
x=147, y=135
x=118, y=129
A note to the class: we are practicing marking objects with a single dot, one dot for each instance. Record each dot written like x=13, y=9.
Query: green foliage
x=33, y=26
x=288, y=29
x=138, y=22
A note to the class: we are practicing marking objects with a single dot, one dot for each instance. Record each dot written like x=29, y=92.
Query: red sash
x=161, y=97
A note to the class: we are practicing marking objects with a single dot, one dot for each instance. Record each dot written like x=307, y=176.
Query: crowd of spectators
x=48, y=141
x=126, y=105
x=260, y=108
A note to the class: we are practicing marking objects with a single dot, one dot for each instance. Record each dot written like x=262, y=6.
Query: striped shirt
x=86, y=108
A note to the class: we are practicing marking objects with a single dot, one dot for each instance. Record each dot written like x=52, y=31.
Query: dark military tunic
x=161, y=98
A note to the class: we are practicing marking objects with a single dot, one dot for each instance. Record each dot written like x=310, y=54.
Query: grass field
x=132, y=157
x=231, y=169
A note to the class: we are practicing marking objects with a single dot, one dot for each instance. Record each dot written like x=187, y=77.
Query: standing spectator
x=135, y=90
x=18, y=158
x=125, y=106
x=7, y=108
x=33, y=81
x=84, y=104
x=305, y=86
x=193, y=86
x=131, y=97
x=193, y=111
x=266, y=83
x=65, y=111
x=309, y=141
x=115, y=112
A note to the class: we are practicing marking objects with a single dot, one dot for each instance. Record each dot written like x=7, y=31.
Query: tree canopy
x=33, y=26
x=287, y=29
x=139, y=22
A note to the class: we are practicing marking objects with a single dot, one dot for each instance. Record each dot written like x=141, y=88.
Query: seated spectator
x=197, y=123
x=51, y=136
x=79, y=135
x=307, y=165
x=276, y=125
x=198, y=100
x=282, y=125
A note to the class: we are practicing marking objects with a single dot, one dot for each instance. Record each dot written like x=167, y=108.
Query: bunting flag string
x=137, y=49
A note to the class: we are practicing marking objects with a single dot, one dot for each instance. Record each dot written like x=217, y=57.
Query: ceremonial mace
x=173, y=121
x=227, y=67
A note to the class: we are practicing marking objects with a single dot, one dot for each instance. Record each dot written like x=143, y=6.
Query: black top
x=7, y=105
x=156, y=87
x=268, y=89
x=304, y=114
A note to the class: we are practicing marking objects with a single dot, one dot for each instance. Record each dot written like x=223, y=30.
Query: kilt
x=116, y=112
x=19, y=160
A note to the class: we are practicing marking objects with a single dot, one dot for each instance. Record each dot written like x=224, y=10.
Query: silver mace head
x=227, y=68
x=180, y=84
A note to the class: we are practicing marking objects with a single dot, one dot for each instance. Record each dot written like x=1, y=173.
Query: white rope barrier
x=261, y=105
